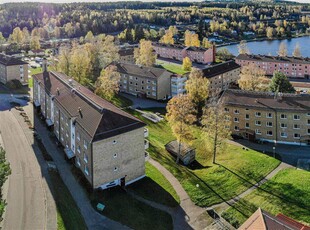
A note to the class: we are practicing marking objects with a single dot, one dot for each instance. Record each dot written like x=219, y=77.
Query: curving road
x=26, y=196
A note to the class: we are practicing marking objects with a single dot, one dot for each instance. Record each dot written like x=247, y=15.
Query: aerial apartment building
x=277, y=118
x=293, y=67
x=179, y=52
x=12, y=68
x=106, y=143
x=221, y=76
x=142, y=81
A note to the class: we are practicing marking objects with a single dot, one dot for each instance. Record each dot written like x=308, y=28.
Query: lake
x=272, y=47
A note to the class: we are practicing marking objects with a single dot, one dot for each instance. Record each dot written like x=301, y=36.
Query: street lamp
x=274, y=151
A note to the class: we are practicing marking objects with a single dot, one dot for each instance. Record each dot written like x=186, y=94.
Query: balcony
x=146, y=144
x=146, y=132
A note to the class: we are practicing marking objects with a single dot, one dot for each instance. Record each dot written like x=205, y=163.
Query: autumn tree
x=89, y=36
x=296, y=52
x=108, y=51
x=216, y=127
x=269, y=32
x=180, y=115
x=187, y=64
x=191, y=39
x=224, y=55
x=35, y=43
x=80, y=65
x=144, y=55
x=253, y=78
x=16, y=36
x=2, y=39
x=282, y=50
x=197, y=87
x=280, y=83
x=64, y=56
x=243, y=48
x=206, y=43
x=107, y=85
x=167, y=38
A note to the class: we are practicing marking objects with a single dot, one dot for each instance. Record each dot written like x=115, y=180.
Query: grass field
x=68, y=214
x=287, y=193
x=174, y=68
x=121, y=101
x=156, y=187
x=121, y=207
x=235, y=171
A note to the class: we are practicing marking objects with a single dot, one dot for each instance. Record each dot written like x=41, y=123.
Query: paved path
x=234, y=200
x=143, y=103
x=26, y=195
x=93, y=219
x=187, y=212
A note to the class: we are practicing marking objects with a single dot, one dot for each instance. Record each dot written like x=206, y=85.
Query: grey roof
x=266, y=58
x=221, y=68
x=141, y=71
x=9, y=60
x=126, y=52
x=180, y=47
x=98, y=117
x=264, y=100
x=173, y=147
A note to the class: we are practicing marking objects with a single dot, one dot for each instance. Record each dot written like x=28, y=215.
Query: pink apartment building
x=293, y=67
x=179, y=52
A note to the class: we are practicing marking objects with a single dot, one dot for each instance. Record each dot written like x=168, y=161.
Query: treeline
x=76, y=19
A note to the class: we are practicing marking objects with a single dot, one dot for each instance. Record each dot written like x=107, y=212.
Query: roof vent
x=70, y=82
x=80, y=112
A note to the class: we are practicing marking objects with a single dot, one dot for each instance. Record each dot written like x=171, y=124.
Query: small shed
x=187, y=154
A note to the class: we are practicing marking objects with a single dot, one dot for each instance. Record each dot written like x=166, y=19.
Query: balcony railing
x=146, y=144
x=146, y=132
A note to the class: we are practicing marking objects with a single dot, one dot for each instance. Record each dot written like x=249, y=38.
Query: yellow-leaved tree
x=187, y=64
x=253, y=78
x=107, y=85
x=144, y=55
x=180, y=115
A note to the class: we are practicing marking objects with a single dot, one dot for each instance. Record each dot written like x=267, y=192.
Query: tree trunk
x=179, y=153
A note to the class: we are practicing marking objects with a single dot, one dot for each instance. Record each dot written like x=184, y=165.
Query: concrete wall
x=14, y=72
x=119, y=156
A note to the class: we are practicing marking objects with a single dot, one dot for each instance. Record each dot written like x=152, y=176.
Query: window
x=236, y=111
x=269, y=133
x=154, y=94
x=258, y=132
x=67, y=135
x=296, y=117
x=283, y=116
x=283, y=125
x=114, y=142
x=308, y=131
x=269, y=124
x=72, y=135
x=78, y=163
x=236, y=128
x=115, y=169
x=236, y=119
x=283, y=134
x=78, y=136
x=308, y=122
x=258, y=123
x=86, y=170
x=227, y=127
x=85, y=157
x=79, y=149
x=85, y=144
x=226, y=110
x=296, y=135
x=296, y=126
x=247, y=125
x=269, y=115
x=258, y=114
x=115, y=155
x=247, y=116
x=308, y=114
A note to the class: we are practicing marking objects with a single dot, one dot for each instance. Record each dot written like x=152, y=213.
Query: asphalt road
x=26, y=197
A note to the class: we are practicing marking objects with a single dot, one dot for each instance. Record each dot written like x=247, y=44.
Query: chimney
x=44, y=65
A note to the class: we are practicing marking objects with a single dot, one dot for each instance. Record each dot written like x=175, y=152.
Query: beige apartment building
x=106, y=143
x=142, y=81
x=282, y=118
x=221, y=76
x=126, y=55
x=13, y=69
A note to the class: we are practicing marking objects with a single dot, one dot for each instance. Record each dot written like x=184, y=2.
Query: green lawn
x=156, y=187
x=174, y=68
x=287, y=193
x=237, y=169
x=68, y=214
x=125, y=209
x=35, y=70
x=121, y=101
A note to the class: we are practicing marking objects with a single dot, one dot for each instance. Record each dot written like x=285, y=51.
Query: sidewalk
x=187, y=211
x=93, y=219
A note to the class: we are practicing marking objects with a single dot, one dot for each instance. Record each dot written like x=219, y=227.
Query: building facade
x=13, y=69
x=126, y=55
x=221, y=76
x=292, y=67
x=106, y=143
x=283, y=118
x=142, y=81
x=178, y=83
x=179, y=52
